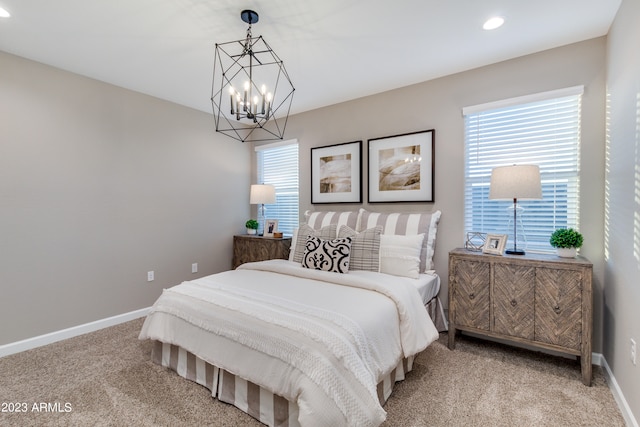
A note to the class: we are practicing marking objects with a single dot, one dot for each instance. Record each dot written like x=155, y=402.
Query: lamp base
x=514, y=252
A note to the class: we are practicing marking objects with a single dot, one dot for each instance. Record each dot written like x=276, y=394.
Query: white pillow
x=407, y=224
x=400, y=255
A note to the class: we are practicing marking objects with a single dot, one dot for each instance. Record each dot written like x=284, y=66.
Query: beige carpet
x=106, y=378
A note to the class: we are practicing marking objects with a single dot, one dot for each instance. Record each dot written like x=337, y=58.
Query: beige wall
x=99, y=185
x=622, y=226
x=437, y=104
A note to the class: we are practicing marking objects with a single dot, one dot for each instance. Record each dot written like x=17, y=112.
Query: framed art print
x=401, y=168
x=336, y=173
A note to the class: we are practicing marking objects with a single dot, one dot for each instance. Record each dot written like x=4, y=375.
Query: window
x=542, y=129
x=278, y=165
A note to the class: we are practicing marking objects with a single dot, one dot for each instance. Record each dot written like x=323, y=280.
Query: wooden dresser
x=251, y=248
x=542, y=301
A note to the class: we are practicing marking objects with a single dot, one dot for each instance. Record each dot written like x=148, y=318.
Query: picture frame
x=401, y=168
x=495, y=244
x=270, y=227
x=336, y=173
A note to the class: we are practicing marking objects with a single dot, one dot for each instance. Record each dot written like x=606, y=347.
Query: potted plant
x=252, y=226
x=566, y=241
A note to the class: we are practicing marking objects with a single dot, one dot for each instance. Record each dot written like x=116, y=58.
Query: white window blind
x=278, y=166
x=543, y=130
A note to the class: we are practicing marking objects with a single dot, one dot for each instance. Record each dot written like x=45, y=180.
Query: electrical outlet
x=633, y=351
x=150, y=276
x=194, y=267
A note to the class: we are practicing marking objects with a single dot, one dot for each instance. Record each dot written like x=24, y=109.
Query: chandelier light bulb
x=231, y=93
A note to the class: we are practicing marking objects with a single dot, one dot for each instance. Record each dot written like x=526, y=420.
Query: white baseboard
x=50, y=338
x=596, y=359
x=617, y=394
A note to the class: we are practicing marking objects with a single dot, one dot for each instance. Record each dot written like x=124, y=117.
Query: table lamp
x=513, y=183
x=262, y=194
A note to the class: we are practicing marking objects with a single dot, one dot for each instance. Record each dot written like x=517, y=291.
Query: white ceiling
x=333, y=50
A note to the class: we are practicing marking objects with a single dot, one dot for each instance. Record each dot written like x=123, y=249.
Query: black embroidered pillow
x=327, y=255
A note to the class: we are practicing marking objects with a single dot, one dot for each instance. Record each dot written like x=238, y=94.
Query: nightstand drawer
x=247, y=248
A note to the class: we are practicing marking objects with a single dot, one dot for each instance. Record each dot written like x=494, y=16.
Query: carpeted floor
x=106, y=378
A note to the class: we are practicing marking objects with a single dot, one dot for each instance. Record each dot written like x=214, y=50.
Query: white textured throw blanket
x=321, y=339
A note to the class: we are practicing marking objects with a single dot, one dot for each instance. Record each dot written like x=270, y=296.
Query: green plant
x=566, y=238
x=252, y=224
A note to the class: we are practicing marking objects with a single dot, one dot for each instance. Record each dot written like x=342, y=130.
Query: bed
x=292, y=345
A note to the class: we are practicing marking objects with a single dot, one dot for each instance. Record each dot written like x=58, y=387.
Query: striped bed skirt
x=260, y=403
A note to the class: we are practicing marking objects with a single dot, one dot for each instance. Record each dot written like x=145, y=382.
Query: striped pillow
x=407, y=224
x=303, y=233
x=365, y=247
x=318, y=220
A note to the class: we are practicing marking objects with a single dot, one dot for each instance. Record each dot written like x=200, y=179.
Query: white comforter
x=293, y=331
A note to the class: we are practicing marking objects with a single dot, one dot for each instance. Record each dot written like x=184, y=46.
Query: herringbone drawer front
x=559, y=307
x=472, y=294
x=514, y=298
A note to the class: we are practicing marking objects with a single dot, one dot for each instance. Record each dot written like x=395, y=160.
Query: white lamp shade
x=515, y=182
x=262, y=194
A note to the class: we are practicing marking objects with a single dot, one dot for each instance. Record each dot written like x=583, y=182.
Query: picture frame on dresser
x=494, y=244
x=270, y=227
x=336, y=173
x=401, y=168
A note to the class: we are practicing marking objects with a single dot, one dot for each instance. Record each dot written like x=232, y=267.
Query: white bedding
x=323, y=340
x=428, y=286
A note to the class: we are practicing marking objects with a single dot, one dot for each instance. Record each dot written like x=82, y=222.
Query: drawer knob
x=556, y=309
x=472, y=295
x=514, y=303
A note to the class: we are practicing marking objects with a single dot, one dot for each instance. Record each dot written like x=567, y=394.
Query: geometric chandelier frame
x=251, y=93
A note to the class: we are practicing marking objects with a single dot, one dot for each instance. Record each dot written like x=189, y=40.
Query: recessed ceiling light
x=493, y=23
x=4, y=13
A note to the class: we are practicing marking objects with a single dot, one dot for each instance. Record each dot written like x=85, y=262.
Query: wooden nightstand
x=248, y=248
x=542, y=301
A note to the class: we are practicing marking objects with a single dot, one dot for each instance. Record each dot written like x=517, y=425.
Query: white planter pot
x=566, y=252
x=251, y=231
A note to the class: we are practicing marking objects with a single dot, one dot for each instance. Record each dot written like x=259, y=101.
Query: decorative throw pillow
x=327, y=255
x=400, y=255
x=300, y=239
x=365, y=248
x=407, y=224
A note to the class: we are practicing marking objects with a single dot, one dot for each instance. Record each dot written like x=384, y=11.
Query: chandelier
x=251, y=92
